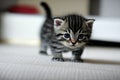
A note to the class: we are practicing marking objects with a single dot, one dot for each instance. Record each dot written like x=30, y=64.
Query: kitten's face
x=74, y=37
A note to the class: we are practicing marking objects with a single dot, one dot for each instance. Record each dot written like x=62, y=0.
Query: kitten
x=66, y=33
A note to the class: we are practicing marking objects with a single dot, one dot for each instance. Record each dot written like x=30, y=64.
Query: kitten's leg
x=43, y=47
x=76, y=55
x=57, y=56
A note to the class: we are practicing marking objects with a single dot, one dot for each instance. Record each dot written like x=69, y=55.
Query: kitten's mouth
x=76, y=45
x=72, y=46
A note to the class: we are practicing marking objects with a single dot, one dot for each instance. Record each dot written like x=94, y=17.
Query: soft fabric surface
x=24, y=63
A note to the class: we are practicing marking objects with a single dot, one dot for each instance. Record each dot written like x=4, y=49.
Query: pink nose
x=73, y=41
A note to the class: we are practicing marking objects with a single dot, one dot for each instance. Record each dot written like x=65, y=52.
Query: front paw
x=43, y=52
x=77, y=60
x=57, y=59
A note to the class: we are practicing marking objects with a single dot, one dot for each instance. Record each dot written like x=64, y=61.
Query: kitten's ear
x=58, y=22
x=90, y=22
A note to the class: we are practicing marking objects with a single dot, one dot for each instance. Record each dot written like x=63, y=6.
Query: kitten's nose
x=73, y=41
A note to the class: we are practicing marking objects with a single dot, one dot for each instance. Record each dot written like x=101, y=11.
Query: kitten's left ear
x=58, y=22
x=90, y=22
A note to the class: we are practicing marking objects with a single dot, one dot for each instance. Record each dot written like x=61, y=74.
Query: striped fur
x=74, y=20
x=63, y=34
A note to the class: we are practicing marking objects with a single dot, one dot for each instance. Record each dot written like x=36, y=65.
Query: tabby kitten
x=66, y=33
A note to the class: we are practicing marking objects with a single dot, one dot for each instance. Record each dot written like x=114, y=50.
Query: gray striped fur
x=71, y=34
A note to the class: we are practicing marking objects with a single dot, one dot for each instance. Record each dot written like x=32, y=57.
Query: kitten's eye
x=80, y=36
x=67, y=35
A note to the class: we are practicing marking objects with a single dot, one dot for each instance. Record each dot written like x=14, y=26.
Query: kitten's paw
x=43, y=52
x=57, y=59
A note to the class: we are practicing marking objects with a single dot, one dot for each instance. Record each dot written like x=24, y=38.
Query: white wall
x=110, y=8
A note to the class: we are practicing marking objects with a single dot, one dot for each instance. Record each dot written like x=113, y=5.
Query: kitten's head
x=73, y=31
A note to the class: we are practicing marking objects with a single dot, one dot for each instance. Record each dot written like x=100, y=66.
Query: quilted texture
x=24, y=63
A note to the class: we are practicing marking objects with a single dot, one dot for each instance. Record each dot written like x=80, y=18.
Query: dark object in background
x=94, y=7
x=103, y=43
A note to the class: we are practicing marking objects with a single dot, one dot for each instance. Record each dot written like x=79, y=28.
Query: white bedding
x=24, y=63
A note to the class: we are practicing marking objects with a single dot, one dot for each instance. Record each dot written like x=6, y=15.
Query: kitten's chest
x=56, y=45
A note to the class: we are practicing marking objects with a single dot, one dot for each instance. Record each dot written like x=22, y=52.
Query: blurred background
x=21, y=20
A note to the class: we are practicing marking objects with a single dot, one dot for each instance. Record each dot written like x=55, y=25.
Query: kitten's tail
x=47, y=9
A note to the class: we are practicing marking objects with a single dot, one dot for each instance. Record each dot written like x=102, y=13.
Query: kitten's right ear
x=90, y=22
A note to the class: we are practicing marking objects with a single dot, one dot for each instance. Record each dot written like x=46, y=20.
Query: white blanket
x=24, y=63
